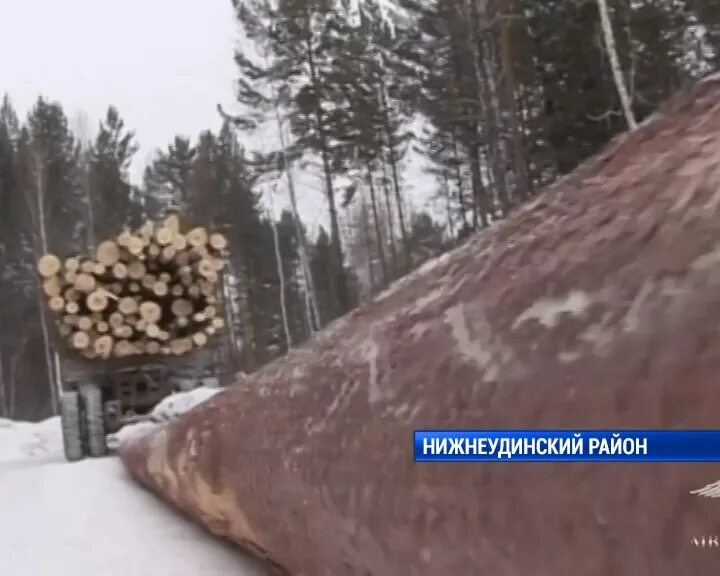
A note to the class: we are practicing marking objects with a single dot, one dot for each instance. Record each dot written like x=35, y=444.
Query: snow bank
x=25, y=440
x=171, y=408
x=177, y=404
x=89, y=519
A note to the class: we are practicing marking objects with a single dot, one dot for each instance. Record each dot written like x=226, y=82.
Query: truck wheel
x=94, y=420
x=70, y=421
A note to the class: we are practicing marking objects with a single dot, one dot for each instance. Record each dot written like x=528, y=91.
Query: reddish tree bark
x=595, y=307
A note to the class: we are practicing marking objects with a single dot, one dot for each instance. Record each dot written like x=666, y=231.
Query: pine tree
x=427, y=238
x=109, y=157
x=320, y=257
x=167, y=181
x=13, y=246
x=265, y=97
x=294, y=36
x=48, y=175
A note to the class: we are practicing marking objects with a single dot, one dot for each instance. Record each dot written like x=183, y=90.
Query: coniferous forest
x=498, y=97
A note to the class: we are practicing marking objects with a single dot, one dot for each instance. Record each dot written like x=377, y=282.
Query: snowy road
x=89, y=519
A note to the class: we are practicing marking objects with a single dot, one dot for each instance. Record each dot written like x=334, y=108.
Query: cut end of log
x=103, y=346
x=150, y=312
x=52, y=287
x=123, y=238
x=168, y=253
x=152, y=347
x=108, y=253
x=218, y=241
x=172, y=223
x=180, y=346
x=152, y=330
x=164, y=236
x=123, y=348
x=151, y=291
x=57, y=304
x=136, y=270
x=182, y=307
x=128, y=305
x=48, y=265
x=160, y=289
x=84, y=282
x=72, y=264
x=206, y=268
x=87, y=267
x=197, y=237
x=80, y=340
x=135, y=245
x=179, y=242
x=97, y=301
x=199, y=339
x=120, y=271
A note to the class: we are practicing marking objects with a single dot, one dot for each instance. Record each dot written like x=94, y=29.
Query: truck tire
x=93, y=420
x=70, y=416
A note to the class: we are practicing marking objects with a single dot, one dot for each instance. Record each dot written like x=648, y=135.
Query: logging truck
x=136, y=320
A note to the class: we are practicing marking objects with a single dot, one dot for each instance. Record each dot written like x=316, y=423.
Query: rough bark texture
x=596, y=307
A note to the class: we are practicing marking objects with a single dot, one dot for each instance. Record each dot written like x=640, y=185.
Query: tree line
x=500, y=97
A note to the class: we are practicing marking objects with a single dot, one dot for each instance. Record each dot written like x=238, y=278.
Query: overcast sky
x=165, y=64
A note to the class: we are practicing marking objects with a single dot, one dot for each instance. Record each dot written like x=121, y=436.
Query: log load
x=597, y=306
x=148, y=292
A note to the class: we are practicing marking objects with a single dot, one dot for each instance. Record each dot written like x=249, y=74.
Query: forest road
x=90, y=519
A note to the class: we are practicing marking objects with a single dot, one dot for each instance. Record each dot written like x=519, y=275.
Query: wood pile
x=154, y=291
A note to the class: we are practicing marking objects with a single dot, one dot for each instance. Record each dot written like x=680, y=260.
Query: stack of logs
x=154, y=291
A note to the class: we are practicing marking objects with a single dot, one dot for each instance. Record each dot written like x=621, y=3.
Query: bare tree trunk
x=368, y=245
x=496, y=140
x=52, y=360
x=242, y=289
x=461, y=189
x=311, y=306
x=91, y=240
x=522, y=180
x=3, y=392
x=312, y=313
x=478, y=187
x=14, y=361
x=391, y=223
x=337, y=275
x=229, y=316
x=446, y=190
x=486, y=119
x=391, y=144
x=281, y=278
x=376, y=218
x=615, y=64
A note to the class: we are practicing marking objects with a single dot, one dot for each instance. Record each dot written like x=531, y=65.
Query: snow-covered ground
x=90, y=519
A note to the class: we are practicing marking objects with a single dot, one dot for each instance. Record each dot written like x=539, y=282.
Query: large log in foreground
x=597, y=307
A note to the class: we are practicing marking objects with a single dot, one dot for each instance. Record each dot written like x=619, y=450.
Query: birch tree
x=313, y=320
x=36, y=203
x=617, y=72
x=280, y=271
x=3, y=391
